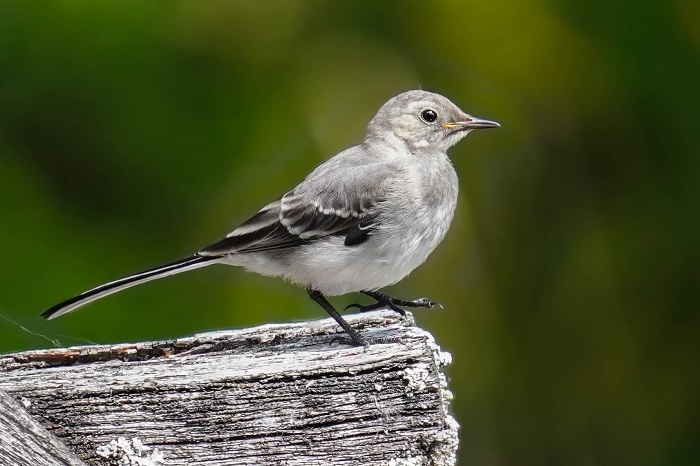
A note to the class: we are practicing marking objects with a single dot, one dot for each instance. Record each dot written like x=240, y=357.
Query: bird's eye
x=428, y=115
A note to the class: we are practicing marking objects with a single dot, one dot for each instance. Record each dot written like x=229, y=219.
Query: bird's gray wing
x=328, y=202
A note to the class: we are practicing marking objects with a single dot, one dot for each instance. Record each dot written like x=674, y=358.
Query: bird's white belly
x=353, y=269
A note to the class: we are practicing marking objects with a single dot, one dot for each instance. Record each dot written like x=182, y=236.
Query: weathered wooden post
x=285, y=394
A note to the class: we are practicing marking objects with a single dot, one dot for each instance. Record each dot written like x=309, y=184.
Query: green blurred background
x=133, y=133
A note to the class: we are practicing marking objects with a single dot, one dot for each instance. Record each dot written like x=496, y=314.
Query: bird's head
x=422, y=121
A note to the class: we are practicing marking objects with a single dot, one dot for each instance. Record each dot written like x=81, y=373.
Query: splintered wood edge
x=277, y=343
x=377, y=324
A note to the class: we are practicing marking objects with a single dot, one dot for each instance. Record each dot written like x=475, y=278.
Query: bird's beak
x=470, y=123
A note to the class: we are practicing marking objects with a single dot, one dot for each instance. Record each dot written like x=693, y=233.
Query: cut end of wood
x=275, y=394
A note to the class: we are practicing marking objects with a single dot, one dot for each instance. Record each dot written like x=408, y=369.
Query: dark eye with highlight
x=428, y=115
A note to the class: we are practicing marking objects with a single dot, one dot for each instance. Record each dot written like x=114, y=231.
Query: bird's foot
x=394, y=304
x=366, y=342
x=354, y=338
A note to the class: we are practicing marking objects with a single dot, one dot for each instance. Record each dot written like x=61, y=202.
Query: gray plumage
x=362, y=220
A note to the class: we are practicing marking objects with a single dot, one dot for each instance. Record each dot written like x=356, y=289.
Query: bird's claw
x=425, y=302
x=365, y=342
x=347, y=340
x=394, y=304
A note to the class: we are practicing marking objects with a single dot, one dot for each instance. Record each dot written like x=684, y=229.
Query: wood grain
x=284, y=394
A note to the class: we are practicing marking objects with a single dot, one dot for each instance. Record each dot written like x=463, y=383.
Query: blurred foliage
x=133, y=133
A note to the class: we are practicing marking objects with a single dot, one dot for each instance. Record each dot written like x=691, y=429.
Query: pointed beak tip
x=478, y=123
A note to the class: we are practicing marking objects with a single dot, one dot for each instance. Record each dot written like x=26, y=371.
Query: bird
x=359, y=222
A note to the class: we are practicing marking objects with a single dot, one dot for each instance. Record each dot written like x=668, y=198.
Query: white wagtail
x=362, y=220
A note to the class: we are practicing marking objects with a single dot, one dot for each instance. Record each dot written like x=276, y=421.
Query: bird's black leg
x=355, y=337
x=384, y=300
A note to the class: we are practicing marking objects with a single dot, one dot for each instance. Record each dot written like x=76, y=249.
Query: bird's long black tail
x=101, y=291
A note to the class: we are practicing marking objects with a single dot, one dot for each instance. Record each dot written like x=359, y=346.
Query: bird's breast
x=424, y=198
